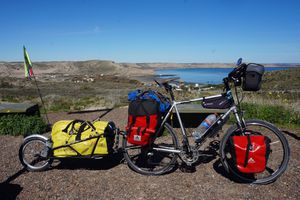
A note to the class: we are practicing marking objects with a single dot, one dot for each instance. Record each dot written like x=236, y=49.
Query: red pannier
x=143, y=120
x=251, y=153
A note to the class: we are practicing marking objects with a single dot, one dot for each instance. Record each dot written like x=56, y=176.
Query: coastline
x=159, y=66
x=137, y=71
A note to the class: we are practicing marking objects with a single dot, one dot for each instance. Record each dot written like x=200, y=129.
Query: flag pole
x=29, y=73
x=38, y=89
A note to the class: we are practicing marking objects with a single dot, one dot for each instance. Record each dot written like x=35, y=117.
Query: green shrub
x=272, y=113
x=21, y=125
x=61, y=104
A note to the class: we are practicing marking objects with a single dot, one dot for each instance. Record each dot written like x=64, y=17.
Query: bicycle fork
x=239, y=119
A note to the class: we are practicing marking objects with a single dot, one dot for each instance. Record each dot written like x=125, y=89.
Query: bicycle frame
x=209, y=131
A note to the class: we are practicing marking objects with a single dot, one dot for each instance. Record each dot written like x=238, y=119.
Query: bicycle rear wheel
x=33, y=153
x=278, y=158
x=158, y=159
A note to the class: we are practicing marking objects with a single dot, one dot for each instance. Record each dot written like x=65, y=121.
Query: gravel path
x=112, y=179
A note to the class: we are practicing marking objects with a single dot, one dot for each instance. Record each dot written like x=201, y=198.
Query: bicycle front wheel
x=158, y=159
x=278, y=158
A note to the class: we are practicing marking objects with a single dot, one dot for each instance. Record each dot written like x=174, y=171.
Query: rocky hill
x=92, y=67
x=98, y=67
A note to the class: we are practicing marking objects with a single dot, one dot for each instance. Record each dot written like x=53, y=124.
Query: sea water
x=203, y=75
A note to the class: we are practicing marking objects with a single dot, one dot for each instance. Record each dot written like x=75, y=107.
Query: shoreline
x=161, y=66
x=144, y=72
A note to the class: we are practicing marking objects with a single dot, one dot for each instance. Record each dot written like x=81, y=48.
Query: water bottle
x=205, y=124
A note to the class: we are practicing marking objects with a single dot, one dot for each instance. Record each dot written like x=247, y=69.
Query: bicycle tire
x=145, y=160
x=37, y=150
x=276, y=138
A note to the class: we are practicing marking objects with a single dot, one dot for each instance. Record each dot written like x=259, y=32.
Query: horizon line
x=152, y=62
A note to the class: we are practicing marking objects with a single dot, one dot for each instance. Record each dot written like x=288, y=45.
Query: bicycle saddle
x=164, y=81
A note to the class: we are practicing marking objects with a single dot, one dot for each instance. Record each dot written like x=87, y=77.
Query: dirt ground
x=112, y=179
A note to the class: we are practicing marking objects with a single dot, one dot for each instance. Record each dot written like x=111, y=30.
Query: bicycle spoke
x=133, y=147
x=276, y=142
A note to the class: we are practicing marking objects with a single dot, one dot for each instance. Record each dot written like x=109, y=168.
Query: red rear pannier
x=143, y=120
x=251, y=153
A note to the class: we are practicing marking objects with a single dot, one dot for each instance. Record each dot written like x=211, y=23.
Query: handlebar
x=237, y=72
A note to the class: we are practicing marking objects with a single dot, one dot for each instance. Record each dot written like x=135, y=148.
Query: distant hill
x=91, y=67
x=97, y=67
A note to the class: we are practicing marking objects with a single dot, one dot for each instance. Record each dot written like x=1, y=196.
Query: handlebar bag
x=82, y=138
x=250, y=152
x=253, y=77
x=143, y=121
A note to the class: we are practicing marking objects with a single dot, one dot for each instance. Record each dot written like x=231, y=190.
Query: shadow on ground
x=104, y=163
x=209, y=154
x=293, y=135
x=9, y=190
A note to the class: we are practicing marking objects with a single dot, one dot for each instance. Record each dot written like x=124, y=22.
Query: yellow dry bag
x=82, y=138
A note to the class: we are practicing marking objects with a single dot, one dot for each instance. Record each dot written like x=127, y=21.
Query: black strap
x=145, y=109
x=132, y=124
x=82, y=129
x=140, y=95
x=72, y=123
x=138, y=131
x=249, y=147
x=148, y=124
x=148, y=121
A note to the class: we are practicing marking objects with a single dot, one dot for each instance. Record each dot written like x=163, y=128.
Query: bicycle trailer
x=69, y=139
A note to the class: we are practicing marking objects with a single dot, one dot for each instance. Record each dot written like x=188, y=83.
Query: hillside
x=285, y=80
x=91, y=67
x=279, y=88
x=76, y=85
x=97, y=67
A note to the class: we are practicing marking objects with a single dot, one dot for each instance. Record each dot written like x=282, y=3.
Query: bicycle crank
x=191, y=158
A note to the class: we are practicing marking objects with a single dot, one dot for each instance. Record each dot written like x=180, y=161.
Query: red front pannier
x=143, y=120
x=251, y=153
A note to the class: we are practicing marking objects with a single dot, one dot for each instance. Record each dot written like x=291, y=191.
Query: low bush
x=21, y=125
x=271, y=113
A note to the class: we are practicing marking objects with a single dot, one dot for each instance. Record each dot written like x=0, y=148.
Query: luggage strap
x=139, y=128
x=249, y=147
x=132, y=124
x=82, y=129
x=72, y=124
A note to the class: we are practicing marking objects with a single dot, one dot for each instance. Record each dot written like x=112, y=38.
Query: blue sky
x=151, y=30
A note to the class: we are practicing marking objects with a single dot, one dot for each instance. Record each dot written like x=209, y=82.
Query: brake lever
x=236, y=72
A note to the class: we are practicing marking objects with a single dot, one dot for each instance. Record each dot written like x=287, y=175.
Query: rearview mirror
x=239, y=61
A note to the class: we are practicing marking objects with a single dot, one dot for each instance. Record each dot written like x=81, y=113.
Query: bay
x=203, y=75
